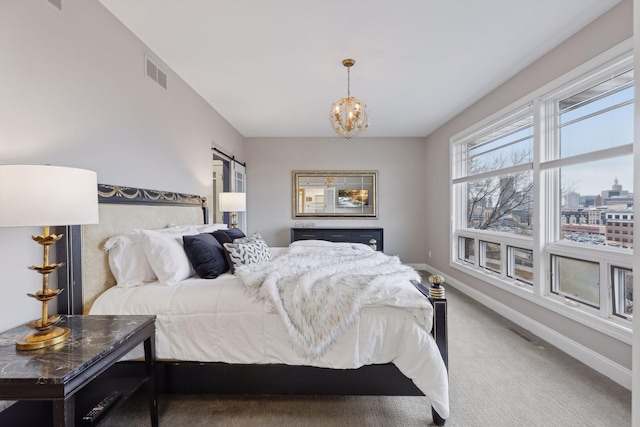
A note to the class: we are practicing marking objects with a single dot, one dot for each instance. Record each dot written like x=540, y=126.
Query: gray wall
x=401, y=183
x=73, y=93
x=606, y=32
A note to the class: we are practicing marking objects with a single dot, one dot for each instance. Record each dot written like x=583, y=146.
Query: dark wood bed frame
x=222, y=378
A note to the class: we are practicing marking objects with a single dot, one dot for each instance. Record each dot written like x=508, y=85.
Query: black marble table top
x=92, y=337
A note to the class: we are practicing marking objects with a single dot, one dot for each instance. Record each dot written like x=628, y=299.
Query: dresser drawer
x=366, y=236
x=307, y=235
x=337, y=236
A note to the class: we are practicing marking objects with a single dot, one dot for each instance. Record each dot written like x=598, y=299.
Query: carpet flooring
x=500, y=375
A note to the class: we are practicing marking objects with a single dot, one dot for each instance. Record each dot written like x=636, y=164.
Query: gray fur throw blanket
x=319, y=291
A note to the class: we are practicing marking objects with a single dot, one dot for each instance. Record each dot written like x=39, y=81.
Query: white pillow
x=210, y=228
x=202, y=228
x=166, y=255
x=128, y=261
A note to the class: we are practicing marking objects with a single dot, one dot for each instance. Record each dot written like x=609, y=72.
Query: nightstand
x=61, y=384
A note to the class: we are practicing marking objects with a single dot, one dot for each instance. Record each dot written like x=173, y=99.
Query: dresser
x=341, y=234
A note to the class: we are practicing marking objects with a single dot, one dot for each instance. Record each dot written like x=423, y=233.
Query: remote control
x=102, y=406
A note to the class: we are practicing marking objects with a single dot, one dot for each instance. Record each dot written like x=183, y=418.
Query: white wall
x=401, y=196
x=73, y=93
x=604, y=33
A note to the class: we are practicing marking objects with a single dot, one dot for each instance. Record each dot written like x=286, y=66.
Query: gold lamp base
x=45, y=334
x=36, y=340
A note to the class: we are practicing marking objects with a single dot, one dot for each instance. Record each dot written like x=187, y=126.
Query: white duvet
x=215, y=321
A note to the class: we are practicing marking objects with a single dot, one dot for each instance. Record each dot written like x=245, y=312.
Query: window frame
x=546, y=165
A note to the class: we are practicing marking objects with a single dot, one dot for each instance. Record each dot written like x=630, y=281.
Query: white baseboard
x=596, y=361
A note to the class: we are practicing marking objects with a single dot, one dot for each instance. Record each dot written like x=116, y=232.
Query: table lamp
x=36, y=195
x=232, y=202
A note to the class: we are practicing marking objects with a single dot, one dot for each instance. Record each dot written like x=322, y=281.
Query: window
x=495, y=175
x=542, y=193
x=622, y=279
x=520, y=264
x=595, y=121
x=490, y=256
x=576, y=279
x=467, y=250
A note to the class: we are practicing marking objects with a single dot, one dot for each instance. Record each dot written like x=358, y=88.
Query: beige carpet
x=500, y=375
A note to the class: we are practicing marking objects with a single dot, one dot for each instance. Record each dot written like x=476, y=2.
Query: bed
x=385, y=349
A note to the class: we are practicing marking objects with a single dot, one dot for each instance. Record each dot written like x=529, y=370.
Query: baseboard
x=418, y=266
x=594, y=360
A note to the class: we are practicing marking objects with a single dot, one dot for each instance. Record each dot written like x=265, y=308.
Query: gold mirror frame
x=335, y=194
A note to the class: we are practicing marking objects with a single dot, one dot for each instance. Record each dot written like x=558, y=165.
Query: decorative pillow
x=206, y=254
x=127, y=260
x=248, y=250
x=235, y=233
x=229, y=235
x=166, y=254
x=222, y=237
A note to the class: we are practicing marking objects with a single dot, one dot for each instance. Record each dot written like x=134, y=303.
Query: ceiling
x=273, y=68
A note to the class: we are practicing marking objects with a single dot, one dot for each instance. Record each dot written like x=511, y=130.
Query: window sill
x=578, y=314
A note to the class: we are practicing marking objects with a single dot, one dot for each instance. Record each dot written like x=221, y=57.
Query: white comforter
x=215, y=321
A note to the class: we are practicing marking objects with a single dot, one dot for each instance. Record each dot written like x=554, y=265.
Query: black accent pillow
x=234, y=233
x=222, y=237
x=228, y=235
x=206, y=254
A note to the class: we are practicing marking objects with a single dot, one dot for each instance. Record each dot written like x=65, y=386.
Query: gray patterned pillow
x=248, y=250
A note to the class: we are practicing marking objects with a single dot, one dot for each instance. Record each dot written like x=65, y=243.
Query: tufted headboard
x=121, y=210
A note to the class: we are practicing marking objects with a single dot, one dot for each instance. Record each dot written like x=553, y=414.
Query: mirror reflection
x=334, y=194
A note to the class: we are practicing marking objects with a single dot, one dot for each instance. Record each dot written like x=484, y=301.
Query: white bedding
x=214, y=321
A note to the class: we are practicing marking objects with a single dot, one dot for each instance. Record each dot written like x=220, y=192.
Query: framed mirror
x=335, y=194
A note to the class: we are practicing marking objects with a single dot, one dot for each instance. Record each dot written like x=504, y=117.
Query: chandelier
x=349, y=117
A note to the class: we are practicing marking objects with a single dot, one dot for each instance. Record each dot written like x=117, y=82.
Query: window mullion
x=498, y=172
x=606, y=296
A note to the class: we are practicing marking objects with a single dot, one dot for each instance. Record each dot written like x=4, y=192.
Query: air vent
x=56, y=3
x=155, y=73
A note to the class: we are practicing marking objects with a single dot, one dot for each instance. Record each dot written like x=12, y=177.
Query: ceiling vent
x=155, y=73
x=56, y=3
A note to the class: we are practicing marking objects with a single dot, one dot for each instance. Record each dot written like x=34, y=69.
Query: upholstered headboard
x=121, y=210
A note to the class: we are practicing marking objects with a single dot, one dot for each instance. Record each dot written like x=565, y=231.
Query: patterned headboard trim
x=131, y=195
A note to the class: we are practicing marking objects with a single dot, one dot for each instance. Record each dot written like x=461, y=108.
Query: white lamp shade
x=232, y=202
x=36, y=195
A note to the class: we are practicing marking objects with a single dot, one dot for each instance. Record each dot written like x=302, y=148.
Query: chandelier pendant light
x=349, y=117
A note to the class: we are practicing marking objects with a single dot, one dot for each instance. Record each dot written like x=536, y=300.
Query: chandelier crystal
x=349, y=116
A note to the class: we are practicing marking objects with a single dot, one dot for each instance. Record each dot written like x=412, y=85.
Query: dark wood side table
x=68, y=374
